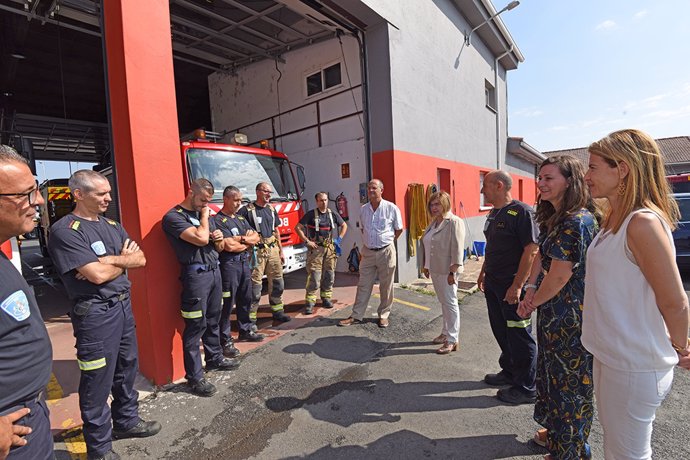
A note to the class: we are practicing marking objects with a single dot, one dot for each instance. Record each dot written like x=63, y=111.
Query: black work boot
x=110, y=455
x=230, y=351
x=250, y=336
x=280, y=317
x=224, y=364
x=309, y=308
x=202, y=387
x=140, y=430
x=326, y=303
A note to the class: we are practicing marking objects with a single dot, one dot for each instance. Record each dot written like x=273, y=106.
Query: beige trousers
x=375, y=263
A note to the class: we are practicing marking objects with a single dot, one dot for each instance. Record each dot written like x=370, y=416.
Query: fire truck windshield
x=244, y=171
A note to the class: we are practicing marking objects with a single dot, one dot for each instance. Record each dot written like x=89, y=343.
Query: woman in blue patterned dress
x=567, y=221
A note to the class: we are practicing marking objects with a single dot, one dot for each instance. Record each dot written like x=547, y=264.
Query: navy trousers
x=237, y=290
x=107, y=355
x=39, y=444
x=201, y=308
x=514, y=336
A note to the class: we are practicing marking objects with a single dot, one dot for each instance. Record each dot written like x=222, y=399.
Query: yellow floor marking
x=409, y=304
x=74, y=443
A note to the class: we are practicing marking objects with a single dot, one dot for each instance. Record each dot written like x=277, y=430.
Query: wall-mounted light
x=508, y=7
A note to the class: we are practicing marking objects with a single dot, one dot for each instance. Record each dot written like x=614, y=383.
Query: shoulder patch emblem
x=178, y=209
x=111, y=222
x=17, y=306
x=224, y=219
x=512, y=212
x=74, y=225
x=240, y=217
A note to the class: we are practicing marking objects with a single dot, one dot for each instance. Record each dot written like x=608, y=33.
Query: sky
x=58, y=169
x=595, y=66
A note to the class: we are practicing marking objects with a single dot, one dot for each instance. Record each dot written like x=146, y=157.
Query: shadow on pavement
x=382, y=399
x=408, y=444
x=353, y=349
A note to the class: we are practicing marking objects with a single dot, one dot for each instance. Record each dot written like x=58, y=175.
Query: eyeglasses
x=31, y=195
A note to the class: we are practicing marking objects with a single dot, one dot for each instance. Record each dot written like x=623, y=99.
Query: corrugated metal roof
x=675, y=150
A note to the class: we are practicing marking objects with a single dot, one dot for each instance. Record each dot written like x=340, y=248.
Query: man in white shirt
x=381, y=224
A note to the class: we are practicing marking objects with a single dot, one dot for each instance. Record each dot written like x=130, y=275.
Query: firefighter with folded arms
x=238, y=240
x=264, y=219
x=196, y=241
x=92, y=254
x=316, y=229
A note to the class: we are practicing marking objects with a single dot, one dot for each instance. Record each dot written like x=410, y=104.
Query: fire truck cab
x=58, y=203
x=244, y=167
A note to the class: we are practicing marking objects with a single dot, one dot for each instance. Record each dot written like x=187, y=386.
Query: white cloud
x=606, y=25
x=640, y=14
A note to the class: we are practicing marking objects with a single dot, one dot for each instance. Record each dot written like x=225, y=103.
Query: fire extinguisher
x=341, y=206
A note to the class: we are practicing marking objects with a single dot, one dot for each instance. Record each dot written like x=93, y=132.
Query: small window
x=325, y=79
x=314, y=84
x=483, y=205
x=331, y=76
x=490, y=95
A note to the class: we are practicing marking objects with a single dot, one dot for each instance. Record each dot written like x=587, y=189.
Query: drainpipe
x=498, y=105
x=365, y=102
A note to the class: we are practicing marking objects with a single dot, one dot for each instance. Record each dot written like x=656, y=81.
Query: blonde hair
x=442, y=198
x=646, y=185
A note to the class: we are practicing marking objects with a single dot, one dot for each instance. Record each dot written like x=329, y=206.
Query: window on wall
x=482, y=204
x=490, y=95
x=323, y=80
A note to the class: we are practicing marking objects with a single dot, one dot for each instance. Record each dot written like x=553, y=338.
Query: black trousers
x=518, y=358
x=237, y=290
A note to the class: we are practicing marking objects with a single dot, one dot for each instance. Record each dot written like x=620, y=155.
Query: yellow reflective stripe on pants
x=252, y=316
x=91, y=365
x=311, y=298
x=192, y=314
x=226, y=294
x=522, y=324
x=277, y=307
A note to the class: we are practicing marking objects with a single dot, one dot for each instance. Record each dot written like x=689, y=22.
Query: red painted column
x=149, y=170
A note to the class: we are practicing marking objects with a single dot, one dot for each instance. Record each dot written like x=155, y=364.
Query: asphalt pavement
x=362, y=392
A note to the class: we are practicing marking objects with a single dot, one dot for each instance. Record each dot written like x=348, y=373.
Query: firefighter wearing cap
x=26, y=355
x=195, y=240
x=91, y=254
x=269, y=253
x=316, y=229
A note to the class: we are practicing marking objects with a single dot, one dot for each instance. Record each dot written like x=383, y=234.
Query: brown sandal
x=440, y=339
x=540, y=437
x=447, y=348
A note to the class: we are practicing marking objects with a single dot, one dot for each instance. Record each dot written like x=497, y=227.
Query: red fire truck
x=244, y=167
x=11, y=250
x=680, y=183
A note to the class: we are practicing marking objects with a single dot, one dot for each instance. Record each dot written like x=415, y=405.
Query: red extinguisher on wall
x=341, y=206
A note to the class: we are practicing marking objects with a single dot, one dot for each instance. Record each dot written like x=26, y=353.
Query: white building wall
x=259, y=92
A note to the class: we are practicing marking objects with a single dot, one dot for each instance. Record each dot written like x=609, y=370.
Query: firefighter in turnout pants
x=269, y=253
x=195, y=240
x=316, y=229
x=238, y=241
x=92, y=254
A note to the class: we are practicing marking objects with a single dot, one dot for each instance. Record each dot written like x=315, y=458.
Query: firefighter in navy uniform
x=238, y=240
x=26, y=355
x=316, y=229
x=195, y=240
x=269, y=253
x=91, y=254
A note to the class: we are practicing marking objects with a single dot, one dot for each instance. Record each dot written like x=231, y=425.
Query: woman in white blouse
x=635, y=315
x=443, y=244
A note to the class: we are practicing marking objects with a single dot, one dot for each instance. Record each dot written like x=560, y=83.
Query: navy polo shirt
x=324, y=230
x=508, y=230
x=175, y=222
x=26, y=355
x=230, y=226
x=75, y=242
x=265, y=217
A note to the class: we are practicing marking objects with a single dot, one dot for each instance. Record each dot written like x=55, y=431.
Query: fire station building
x=409, y=92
